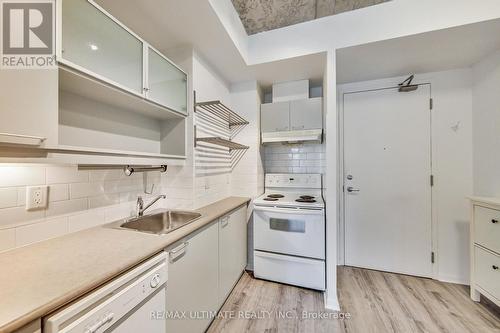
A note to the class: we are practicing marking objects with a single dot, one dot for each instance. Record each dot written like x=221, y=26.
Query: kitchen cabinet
x=232, y=250
x=28, y=104
x=275, y=117
x=293, y=115
x=193, y=280
x=485, y=249
x=166, y=83
x=306, y=114
x=97, y=44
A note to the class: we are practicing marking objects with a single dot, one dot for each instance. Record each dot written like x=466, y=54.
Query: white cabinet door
x=193, y=280
x=306, y=114
x=28, y=107
x=166, y=83
x=232, y=250
x=97, y=44
x=275, y=117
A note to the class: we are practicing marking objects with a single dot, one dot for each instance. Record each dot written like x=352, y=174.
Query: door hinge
x=431, y=103
x=432, y=180
x=432, y=257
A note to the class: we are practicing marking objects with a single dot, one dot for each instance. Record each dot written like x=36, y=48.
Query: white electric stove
x=289, y=231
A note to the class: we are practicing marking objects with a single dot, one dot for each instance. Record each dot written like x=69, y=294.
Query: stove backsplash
x=298, y=158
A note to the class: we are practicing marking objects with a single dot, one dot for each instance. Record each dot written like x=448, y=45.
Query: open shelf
x=223, y=142
x=223, y=112
x=77, y=83
x=100, y=151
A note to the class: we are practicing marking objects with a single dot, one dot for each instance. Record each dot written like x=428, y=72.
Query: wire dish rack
x=218, y=125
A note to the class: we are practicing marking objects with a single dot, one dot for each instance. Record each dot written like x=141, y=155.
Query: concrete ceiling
x=263, y=15
x=439, y=50
x=170, y=24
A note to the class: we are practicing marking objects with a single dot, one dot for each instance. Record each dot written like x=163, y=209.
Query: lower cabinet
x=232, y=250
x=202, y=270
x=192, y=282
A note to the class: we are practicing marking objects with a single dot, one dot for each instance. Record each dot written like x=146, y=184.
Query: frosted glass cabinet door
x=167, y=84
x=92, y=40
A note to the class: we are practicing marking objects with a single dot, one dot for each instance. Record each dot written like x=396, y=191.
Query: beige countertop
x=39, y=278
x=487, y=200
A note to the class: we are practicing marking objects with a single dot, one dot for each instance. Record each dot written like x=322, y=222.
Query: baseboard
x=331, y=302
x=453, y=279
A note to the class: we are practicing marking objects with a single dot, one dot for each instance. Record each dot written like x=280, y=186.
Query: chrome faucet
x=140, y=204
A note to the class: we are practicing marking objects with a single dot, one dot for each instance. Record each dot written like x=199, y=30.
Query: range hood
x=310, y=136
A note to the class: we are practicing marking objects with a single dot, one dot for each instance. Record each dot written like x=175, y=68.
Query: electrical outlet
x=36, y=197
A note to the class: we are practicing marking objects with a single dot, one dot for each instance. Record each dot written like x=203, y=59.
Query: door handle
x=177, y=252
x=351, y=189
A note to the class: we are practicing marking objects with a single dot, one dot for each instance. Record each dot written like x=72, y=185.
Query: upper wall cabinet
x=306, y=114
x=93, y=42
x=296, y=115
x=275, y=117
x=96, y=44
x=166, y=83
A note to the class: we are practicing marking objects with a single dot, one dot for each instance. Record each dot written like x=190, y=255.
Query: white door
x=387, y=190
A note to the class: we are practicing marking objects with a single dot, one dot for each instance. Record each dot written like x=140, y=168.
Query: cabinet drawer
x=487, y=271
x=487, y=228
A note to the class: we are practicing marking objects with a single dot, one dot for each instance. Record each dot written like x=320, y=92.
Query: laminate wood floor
x=376, y=301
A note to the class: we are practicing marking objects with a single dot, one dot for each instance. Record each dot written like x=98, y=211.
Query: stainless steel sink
x=161, y=223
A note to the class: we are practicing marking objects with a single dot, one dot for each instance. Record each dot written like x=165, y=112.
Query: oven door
x=299, y=232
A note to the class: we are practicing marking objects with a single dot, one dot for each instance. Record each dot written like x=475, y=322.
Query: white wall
x=330, y=190
x=486, y=128
x=210, y=184
x=451, y=164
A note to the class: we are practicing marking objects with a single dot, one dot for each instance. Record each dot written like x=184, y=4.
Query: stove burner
x=270, y=199
x=307, y=197
x=275, y=196
x=306, y=200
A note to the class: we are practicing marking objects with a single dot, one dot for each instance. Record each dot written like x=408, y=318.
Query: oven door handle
x=296, y=211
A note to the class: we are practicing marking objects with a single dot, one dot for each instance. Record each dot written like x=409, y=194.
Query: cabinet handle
x=494, y=221
x=495, y=267
x=224, y=222
x=178, y=251
x=30, y=137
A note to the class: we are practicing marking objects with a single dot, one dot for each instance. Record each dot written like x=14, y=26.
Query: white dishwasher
x=133, y=302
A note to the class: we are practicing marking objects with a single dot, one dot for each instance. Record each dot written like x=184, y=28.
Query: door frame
x=374, y=85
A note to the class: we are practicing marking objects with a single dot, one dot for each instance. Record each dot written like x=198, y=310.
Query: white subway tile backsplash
x=118, y=212
x=82, y=190
x=21, y=175
x=104, y=200
x=41, y=231
x=87, y=220
x=67, y=206
x=303, y=158
x=58, y=192
x=7, y=239
x=66, y=174
x=15, y=215
x=105, y=175
x=8, y=197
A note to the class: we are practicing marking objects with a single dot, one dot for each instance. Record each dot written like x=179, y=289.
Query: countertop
x=37, y=279
x=487, y=200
